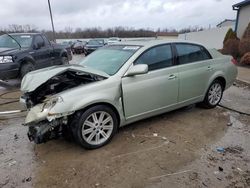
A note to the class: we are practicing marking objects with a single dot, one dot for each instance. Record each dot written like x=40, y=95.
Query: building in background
x=243, y=17
x=211, y=38
x=226, y=23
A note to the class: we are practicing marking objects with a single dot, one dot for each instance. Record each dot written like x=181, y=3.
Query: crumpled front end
x=46, y=123
x=43, y=131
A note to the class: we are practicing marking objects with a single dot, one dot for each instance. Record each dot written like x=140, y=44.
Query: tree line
x=97, y=32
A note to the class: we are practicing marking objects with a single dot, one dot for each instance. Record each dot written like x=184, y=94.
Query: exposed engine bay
x=61, y=82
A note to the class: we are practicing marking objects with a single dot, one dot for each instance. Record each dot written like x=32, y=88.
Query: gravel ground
x=176, y=149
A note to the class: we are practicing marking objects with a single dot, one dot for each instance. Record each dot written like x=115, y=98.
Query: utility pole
x=53, y=29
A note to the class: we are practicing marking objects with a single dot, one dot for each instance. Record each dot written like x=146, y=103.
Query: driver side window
x=157, y=57
x=39, y=41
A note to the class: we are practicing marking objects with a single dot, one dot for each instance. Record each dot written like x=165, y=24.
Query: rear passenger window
x=188, y=53
x=157, y=57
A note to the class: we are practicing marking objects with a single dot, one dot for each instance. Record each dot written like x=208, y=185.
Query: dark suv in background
x=21, y=53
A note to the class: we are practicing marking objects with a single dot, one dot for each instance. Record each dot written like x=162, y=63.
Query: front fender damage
x=45, y=123
x=45, y=126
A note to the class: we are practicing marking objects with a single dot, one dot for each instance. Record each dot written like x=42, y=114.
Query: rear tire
x=26, y=68
x=95, y=127
x=213, y=95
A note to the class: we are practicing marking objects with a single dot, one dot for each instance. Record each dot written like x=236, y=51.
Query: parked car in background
x=113, y=40
x=94, y=44
x=69, y=44
x=79, y=47
x=21, y=53
x=120, y=84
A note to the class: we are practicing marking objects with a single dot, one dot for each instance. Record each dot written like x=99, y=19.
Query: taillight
x=234, y=61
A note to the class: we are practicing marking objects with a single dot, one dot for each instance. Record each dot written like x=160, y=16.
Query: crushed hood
x=34, y=79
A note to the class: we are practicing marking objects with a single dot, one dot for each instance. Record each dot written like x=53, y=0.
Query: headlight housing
x=6, y=59
x=48, y=104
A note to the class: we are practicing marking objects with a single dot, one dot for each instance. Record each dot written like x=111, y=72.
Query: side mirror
x=137, y=69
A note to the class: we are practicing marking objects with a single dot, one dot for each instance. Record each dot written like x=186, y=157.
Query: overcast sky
x=110, y=13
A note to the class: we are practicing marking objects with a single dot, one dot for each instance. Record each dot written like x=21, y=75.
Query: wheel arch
x=24, y=61
x=103, y=103
x=63, y=53
x=222, y=80
x=27, y=60
x=218, y=76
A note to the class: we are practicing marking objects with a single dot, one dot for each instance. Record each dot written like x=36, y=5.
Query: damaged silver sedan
x=120, y=84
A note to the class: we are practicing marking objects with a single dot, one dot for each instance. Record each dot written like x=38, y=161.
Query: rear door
x=194, y=71
x=154, y=91
x=41, y=53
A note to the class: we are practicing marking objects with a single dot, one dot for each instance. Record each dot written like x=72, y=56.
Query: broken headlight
x=51, y=103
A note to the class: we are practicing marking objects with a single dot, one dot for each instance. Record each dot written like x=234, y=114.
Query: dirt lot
x=177, y=149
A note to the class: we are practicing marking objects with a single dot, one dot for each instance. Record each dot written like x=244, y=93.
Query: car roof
x=149, y=43
x=24, y=33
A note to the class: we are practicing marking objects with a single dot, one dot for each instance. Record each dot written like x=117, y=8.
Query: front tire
x=213, y=95
x=95, y=127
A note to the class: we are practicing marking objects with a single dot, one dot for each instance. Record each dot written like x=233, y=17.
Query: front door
x=154, y=91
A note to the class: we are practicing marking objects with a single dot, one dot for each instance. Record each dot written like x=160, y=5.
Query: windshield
x=78, y=44
x=95, y=42
x=8, y=42
x=113, y=39
x=109, y=59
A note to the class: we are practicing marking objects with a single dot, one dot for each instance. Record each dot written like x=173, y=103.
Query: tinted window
x=157, y=57
x=188, y=53
x=39, y=40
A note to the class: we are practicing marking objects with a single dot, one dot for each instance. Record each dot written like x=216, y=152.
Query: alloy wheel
x=97, y=128
x=215, y=94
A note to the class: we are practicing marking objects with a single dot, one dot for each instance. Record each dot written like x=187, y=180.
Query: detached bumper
x=9, y=70
x=35, y=114
x=43, y=126
x=44, y=131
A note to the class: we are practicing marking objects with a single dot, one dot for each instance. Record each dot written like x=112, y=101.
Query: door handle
x=209, y=68
x=172, y=76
